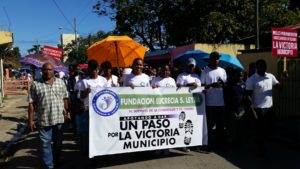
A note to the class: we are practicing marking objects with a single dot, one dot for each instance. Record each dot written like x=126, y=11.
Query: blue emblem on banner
x=106, y=102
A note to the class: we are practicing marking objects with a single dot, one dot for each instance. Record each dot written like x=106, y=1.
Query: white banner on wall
x=140, y=119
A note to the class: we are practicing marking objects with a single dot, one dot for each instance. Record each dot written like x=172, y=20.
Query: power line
x=62, y=13
x=83, y=9
x=35, y=41
x=6, y=14
x=84, y=18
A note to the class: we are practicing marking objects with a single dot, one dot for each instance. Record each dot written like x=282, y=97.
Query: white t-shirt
x=141, y=80
x=214, y=96
x=163, y=82
x=93, y=84
x=262, y=89
x=186, y=78
x=113, y=81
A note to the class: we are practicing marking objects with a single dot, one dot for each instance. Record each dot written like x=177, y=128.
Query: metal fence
x=12, y=87
x=287, y=101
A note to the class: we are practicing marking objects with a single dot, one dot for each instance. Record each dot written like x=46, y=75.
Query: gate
x=12, y=87
x=287, y=101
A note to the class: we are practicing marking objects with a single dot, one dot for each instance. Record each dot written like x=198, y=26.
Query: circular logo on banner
x=106, y=102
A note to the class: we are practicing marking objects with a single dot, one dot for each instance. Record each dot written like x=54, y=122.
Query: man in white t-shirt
x=259, y=87
x=213, y=78
x=189, y=78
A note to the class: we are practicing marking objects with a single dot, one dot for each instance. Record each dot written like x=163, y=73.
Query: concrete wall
x=6, y=37
x=231, y=49
x=68, y=38
x=247, y=58
x=65, y=40
x=181, y=49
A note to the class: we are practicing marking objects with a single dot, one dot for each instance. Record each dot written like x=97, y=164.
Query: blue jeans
x=82, y=120
x=51, y=152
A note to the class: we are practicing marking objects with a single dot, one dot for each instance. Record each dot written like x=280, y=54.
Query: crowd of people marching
x=235, y=100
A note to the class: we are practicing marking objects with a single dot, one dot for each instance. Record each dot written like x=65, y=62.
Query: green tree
x=36, y=49
x=160, y=24
x=10, y=55
x=83, y=45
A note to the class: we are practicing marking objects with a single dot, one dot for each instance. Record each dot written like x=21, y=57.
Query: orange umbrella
x=120, y=51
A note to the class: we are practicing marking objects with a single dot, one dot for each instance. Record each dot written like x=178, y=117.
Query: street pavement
x=244, y=156
x=13, y=116
x=27, y=156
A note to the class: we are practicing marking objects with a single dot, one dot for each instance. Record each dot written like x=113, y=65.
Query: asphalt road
x=243, y=156
x=26, y=153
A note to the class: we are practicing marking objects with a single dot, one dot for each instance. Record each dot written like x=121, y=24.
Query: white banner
x=129, y=120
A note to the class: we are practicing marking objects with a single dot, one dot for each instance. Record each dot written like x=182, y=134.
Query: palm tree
x=36, y=49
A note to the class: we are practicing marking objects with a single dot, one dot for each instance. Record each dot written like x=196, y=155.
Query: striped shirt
x=48, y=101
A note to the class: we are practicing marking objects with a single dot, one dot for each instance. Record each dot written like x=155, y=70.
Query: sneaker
x=185, y=149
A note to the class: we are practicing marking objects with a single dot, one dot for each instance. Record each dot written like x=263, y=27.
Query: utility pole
x=2, y=81
x=37, y=47
x=257, y=25
x=76, y=43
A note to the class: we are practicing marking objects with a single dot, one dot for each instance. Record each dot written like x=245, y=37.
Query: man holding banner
x=213, y=77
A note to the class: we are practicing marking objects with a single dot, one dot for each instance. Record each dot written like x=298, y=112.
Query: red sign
x=53, y=52
x=284, y=42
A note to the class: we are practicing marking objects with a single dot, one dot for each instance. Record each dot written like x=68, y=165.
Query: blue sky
x=39, y=21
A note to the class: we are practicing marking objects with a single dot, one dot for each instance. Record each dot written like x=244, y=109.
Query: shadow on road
x=247, y=156
x=29, y=150
x=14, y=119
x=22, y=107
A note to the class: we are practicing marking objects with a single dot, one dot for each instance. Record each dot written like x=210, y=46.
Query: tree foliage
x=10, y=55
x=83, y=45
x=36, y=49
x=165, y=23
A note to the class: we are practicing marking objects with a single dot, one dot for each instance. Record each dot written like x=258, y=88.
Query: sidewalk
x=13, y=116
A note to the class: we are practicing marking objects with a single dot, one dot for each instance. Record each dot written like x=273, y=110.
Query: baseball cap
x=191, y=61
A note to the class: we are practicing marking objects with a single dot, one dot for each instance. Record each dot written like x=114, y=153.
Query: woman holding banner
x=163, y=80
x=112, y=80
x=137, y=78
x=92, y=82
